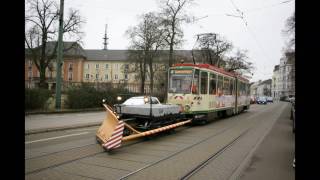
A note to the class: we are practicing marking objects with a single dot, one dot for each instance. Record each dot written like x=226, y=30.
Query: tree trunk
x=42, y=83
x=151, y=77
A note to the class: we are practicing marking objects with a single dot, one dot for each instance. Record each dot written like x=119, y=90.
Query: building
x=275, y=90
x=264, y=88
x=254, y=89
x=73, y=59
x=99, y=66
x=286, y=83
x=261, y=88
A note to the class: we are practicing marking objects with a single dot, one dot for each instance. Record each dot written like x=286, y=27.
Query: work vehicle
x=143, y=115
x=196, y=94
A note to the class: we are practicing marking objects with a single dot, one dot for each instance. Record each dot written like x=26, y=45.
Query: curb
x=36, y=131
x=64, y=111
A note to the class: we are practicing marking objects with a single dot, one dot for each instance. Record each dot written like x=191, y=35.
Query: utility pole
x=59, y=57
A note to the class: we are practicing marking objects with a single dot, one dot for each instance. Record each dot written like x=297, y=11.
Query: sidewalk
x=274, y=156
x=51, y=122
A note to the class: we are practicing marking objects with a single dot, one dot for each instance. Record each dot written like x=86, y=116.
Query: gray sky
x=262, y=37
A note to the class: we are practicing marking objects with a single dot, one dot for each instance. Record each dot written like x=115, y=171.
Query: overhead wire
x=241, y=16
x=268, y=6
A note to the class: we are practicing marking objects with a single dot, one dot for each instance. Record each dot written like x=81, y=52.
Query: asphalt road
x=74, y=154
x=49, y=121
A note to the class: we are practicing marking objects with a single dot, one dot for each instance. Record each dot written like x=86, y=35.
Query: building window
x=106, y=77
x=97, y=76
x=126, y=76
x=70, y=76
x=87, y=76
x=88, y=66
x=70, y=67
x=117, y=66
x=30, y=74
x=116, y=76
x=126, y=67
x=97, y=66
x=107, y=66
x=30, y=65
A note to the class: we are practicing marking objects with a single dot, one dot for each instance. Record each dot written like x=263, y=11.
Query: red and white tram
x=204, y=91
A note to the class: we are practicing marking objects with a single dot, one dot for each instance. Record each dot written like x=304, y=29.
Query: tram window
x=204, y=82
x=226, y=86
x=180, y=82
x=212, y=84
x=242, y=88
x=231, y=87
x=195, y=85
x=220, y=84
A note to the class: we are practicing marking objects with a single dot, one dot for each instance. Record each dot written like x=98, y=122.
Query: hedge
x=36, y=98
x=87, y=96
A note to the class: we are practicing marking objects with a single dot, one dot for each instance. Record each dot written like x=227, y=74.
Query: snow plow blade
x=110, y=133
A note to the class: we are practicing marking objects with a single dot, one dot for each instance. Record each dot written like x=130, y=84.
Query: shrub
x=36, y=98
x=87, y=96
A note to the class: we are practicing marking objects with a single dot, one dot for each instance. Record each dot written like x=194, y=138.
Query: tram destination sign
x=181, y=71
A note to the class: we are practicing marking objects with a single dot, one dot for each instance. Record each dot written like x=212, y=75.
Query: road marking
x=58, y=137
x=87, y=129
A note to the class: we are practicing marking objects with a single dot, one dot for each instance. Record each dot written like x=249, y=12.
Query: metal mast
x=105, y=43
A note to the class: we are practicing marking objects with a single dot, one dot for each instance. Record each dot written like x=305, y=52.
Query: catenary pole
x=59, y=57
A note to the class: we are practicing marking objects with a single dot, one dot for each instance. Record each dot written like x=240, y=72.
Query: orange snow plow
x=111, y=132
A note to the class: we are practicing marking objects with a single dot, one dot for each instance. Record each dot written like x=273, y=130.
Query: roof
x=113, y=55
x=118, y=55
x=71, y=48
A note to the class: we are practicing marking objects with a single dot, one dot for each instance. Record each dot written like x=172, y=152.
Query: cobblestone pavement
x=167, y=156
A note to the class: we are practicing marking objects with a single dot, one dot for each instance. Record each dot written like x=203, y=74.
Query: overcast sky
x=262, y=36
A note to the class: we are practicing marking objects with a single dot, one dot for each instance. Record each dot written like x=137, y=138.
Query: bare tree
x=173, y=15
x=213, y=48
x=239, y=62
x=42, y=26
x=147, y=37
x=290, y=31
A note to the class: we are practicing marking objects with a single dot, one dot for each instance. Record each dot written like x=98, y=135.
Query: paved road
x=278, y=146
x=49, y=121
x=74, y=154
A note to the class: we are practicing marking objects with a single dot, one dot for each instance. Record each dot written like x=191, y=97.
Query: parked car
x=269, y=99
x=262, y=100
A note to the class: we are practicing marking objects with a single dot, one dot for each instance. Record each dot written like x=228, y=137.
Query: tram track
x=209, y=159
x=128, y=144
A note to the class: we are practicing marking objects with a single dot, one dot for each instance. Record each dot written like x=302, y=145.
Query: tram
x=205, y=92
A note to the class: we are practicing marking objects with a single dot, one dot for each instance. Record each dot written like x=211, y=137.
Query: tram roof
x=214, y=68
